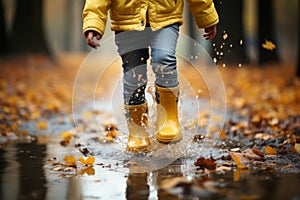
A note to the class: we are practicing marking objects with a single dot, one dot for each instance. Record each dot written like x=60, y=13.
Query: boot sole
x=169, y=140
x=143, y=149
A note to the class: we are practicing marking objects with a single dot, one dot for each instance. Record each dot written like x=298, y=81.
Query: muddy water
x=27, y=173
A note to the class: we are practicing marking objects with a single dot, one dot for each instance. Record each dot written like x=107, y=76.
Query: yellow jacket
x=133, y=14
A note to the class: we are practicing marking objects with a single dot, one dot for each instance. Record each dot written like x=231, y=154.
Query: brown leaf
x=256, y=120
x=65, y=142
x=251, y=155
x=258, y=152
x=209, y=163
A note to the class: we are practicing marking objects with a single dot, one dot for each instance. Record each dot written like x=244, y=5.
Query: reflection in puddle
x=26, y=173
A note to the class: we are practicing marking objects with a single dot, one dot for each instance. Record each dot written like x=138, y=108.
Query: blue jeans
x=133, y=47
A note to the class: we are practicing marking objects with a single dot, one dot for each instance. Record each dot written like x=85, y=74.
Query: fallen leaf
x=258, y=152
x=240, y=160
x=66, y=134
x=256, y=120
x=88, y=161
x=112, y=134
x=251, y=155
x=270, y=150
x=223, y=135
x=209, y=163
x=65, y=142
x=42, y=125
x=70, y=160
x=84, y=151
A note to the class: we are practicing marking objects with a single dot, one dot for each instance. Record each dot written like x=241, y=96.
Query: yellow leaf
x=112, y=133
x=42, y=125
x=89, y=161
x=269, y=45
x=35, y=114
x=66, y=135
x=109, y=138
x=270, y=150
x=14, y=126
x=240, y=161
x=70, y=160
x=223, y=135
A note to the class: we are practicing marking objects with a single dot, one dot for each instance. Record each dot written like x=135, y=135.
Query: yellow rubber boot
x=167, y=115
x=137, y=120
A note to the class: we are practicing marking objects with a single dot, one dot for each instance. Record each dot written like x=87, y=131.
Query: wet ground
x=27, y=174
x=34, y=167
x=255, y=155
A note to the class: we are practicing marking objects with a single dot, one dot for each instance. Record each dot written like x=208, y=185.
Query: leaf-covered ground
x=261, y=133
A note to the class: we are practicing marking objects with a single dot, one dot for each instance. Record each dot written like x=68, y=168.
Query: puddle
x=27, y=173
x=27, y=169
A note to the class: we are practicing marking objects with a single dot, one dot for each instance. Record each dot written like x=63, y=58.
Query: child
x=129, y=20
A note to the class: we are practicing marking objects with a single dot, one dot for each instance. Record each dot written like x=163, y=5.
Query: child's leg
x=163, y=49
x=133, y=49
x=135, y=76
